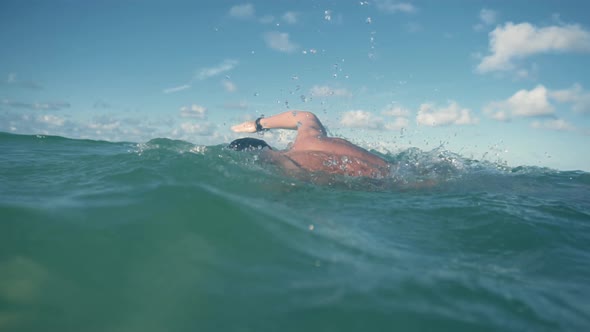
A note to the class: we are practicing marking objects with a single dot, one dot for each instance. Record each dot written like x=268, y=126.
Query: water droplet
x=327, y=15
x=311, y=227
x=294, y=77
x=369, y=20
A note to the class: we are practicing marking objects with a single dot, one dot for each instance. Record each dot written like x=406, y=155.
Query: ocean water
x=170, y=236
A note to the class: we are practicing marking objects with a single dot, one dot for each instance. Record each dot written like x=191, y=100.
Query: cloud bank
x=36, y=106
x=361, y=119
x=193, y=111
x=433, y=116
x=512, y=42
x=554, y=124
x=538, y=102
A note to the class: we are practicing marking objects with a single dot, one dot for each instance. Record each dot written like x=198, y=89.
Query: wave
x=412, y=168
x=167, y=234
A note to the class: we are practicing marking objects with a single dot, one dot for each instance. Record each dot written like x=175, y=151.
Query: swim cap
x=248, y=144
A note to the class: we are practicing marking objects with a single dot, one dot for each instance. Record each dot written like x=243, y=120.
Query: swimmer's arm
x=294, y=120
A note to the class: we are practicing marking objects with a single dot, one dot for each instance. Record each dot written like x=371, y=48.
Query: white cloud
x=538, y=102
x=530, y=103
x=430, y=115
x=575, y=95
x=51, y=120
x=223, y=67
x=326, y=91
x=525, y=103
x=280, y=41
x=205, y=73
x=554, y=124
x=390, y=6
x=46, y=106
x=518, y=41
x=229, y=86
x=396, y=111
x=495, y=112
x=101, y=124
x=398, y=124
x=244, y=11
x=201, y=129
x=176, y=89
x=193, y=111
x=366, y=120
x=290, y=17
x=111, y=128
x=361, y=119
x=487, y=17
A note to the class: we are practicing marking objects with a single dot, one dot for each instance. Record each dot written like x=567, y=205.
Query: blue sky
x=504, y=81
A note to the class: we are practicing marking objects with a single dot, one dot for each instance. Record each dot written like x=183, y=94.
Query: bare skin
x=314, y=151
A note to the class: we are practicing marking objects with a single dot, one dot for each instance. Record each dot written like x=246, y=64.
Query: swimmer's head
x=248, y=144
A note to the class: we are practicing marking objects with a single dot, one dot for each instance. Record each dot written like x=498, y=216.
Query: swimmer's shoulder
x=281, y=158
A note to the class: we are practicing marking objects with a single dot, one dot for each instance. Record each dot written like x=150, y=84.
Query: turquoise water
x=169, y=236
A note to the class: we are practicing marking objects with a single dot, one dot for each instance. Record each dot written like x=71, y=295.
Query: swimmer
x=312, y=151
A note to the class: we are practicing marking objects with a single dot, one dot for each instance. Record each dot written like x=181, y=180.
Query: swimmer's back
x=337, y=147
x=332, y=163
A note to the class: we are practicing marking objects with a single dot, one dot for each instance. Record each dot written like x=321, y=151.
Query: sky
x=501, y=81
